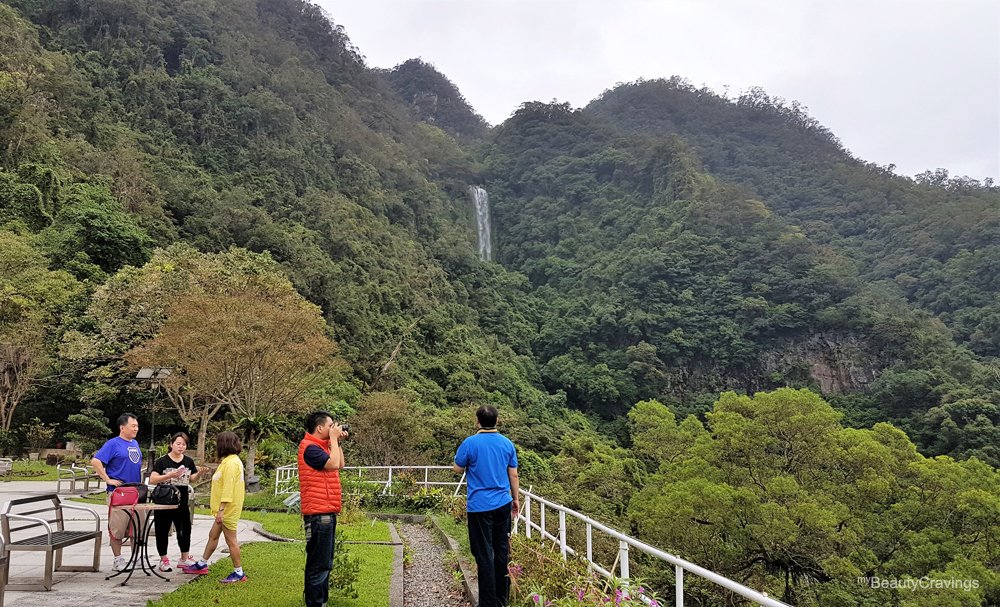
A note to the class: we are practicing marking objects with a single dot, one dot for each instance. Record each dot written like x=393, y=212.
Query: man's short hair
x=315, y=419
x=124, y=417
x=487, y=416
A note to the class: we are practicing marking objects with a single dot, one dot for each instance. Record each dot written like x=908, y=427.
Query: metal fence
x=286, y=478
x=625, y=544
x=286, y=481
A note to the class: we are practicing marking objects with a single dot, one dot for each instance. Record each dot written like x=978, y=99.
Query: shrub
x=88, y=429
x=8, y=442
x=540, y=577
x=38, y=435
x=275, y=451
x=345, y=569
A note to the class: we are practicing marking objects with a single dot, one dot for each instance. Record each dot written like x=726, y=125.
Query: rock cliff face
x=833, y=362
x=836, y=362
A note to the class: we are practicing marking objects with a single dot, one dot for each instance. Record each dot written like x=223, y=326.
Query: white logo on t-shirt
x=133, y=455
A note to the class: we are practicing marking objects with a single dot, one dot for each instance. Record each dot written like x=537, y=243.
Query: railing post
x=426, y=479
x=679, y=595
x=388, y=484
x=527, y=516
x=285, y=475
x=562, y=533
x=623, y=560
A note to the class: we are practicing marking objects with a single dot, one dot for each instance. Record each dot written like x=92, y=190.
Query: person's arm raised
x=336, y=461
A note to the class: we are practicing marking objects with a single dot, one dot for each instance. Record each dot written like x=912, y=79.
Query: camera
x=346, y=427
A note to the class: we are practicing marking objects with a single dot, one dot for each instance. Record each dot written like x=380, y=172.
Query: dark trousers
x=321, y=529
x=180, y=519
x=489, y=540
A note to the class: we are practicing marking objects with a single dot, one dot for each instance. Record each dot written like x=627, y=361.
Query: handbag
x=129, y=494
x=165, y=495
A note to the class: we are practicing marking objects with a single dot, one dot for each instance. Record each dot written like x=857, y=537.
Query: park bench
x=72, y=473
x=3, y=571
x=36, y=524
x=292, y=502
x=6, y=465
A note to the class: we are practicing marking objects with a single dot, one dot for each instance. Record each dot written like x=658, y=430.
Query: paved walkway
x=90, y=588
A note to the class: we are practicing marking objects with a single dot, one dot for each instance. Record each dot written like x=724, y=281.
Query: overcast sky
x=915, y=83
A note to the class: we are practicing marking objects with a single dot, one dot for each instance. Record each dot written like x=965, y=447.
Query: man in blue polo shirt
x=490, y=462
x=118, y=462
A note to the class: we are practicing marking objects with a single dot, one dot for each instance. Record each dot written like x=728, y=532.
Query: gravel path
x=428, y=582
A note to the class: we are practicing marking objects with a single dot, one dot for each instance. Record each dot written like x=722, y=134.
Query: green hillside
x=932, y=239
x=701, y=309
x=435, y=99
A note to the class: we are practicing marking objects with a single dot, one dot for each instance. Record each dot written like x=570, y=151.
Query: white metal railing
x=624, y=544
x=286, y=478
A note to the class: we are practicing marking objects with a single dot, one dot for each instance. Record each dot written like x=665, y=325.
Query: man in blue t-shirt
x=118, y=462
x=489, y=461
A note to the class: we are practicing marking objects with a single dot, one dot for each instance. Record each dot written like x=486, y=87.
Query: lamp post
x=153, y=375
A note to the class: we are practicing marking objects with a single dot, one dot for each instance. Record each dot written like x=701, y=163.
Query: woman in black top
x=179, y=470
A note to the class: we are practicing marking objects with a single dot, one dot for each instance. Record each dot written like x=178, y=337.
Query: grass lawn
x=275, y=571
x=25, y=470
x=290, y=526
x=457, y=531
x=91, y=498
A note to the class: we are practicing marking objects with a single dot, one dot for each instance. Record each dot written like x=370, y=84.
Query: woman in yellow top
x=228, y=492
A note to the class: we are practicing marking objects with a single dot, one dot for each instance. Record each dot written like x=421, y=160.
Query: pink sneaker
x=196, y=569
x=165, y=564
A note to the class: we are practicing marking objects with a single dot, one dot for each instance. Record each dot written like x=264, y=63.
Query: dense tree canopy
x=234, y=162
x=775, y=492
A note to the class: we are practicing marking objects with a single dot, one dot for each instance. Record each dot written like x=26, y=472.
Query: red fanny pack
x=125, y=496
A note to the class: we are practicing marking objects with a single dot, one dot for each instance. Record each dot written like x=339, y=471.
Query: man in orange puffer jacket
x=320, y=461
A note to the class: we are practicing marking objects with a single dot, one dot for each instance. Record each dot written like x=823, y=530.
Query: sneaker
x=186, y=563
x=196, y=569
x=165, y=564
x=119, y=563
x=233, y=578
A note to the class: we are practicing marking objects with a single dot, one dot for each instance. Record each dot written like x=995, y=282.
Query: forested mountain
x=666, y=282
x=932, y=239
x=167, y=162
x=435, y=99
x=129, y=124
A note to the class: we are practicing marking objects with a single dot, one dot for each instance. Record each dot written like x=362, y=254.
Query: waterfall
x=482, y=203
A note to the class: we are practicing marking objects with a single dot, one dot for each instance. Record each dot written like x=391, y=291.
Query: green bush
x=273, y=452
x=540, y=576
x=8, y=442
x=536, y=567
x=38, y=435
x=345, y=569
